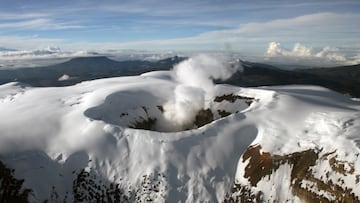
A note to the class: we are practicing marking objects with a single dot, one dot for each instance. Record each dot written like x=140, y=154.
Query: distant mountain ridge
x=83, y=69
x=345, y=79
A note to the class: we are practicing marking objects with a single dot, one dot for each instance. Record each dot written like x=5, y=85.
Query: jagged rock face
x=304, y=184
x=232, y=98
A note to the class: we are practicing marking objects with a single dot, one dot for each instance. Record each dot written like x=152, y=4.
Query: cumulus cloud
x=298, y=50
x=331, y=53
x=355, y=59
x=274, y=49
x=305, y=54
x=301, y=50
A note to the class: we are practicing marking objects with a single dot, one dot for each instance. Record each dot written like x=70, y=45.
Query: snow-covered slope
x=82, y=143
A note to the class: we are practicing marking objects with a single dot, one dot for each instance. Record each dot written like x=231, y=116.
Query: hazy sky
x=250, y=27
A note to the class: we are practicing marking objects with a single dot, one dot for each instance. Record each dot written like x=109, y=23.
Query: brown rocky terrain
x=304, y=184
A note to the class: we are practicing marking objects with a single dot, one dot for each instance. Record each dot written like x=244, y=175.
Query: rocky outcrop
x=232, y=98
x=304, y=183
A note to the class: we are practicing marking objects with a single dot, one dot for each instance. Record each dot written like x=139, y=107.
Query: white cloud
x=20, y=16
x=331, y=53
x=355, y=59
x=39, y=23
x=274, y=49
x=306, y=55
x=198, y=8
x=35, y=20
x=301, y=50
x=48, y=52
x=298, y=50
x=318, y=30
x=38, y=57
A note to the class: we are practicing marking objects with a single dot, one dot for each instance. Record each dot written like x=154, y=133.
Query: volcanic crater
x=152, y=117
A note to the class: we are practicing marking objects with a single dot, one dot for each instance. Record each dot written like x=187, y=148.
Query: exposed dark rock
x=223, y=113
x=263, y=164
x=144, y=124
x=147, y=123
x=247, y=195
x=161, y=108
x=203, y=117
x=232, y=98
x=123, y=114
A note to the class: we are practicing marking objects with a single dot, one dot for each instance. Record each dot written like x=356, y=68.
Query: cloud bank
x=48, y=52
x=10, y=59
x=307, y=55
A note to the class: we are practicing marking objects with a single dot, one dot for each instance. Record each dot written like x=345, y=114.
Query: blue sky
x=211, y=25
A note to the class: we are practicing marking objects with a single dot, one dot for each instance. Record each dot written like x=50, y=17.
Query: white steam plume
x=195, y=87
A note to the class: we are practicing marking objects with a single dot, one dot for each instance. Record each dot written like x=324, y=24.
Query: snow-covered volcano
x=124, y=140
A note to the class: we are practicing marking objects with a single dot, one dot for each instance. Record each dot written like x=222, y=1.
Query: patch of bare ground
x=232, y=98
x=147, y=123
x=223, y=113
x=342, y=167
x=263, y=164
x=203, y=117
x=144, y=124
